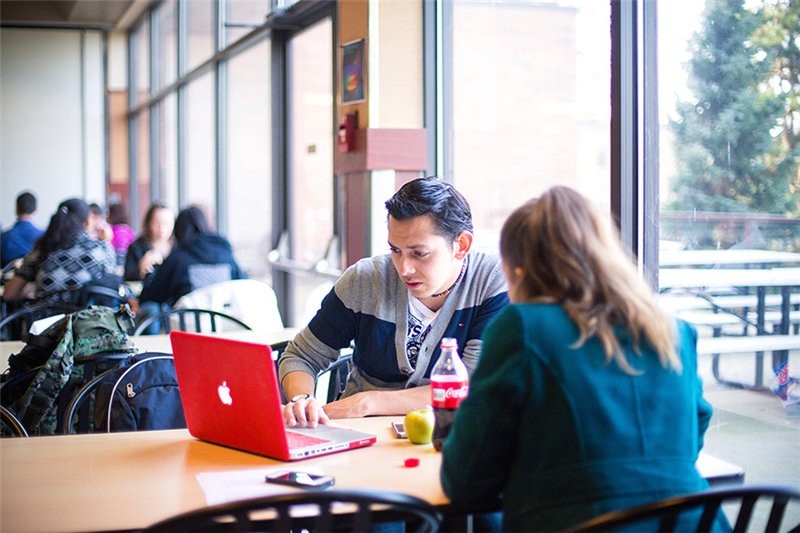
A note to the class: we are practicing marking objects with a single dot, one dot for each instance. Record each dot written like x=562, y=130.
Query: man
x=18, y=240
x=396, y=308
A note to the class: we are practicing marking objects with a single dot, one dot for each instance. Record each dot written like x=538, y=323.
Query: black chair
x=335, y=375
x=666, y=513
x=338, y=372
x=16, y=325
x=322, y=511
x=9, y=425
x=107, y=296
x=196, y=320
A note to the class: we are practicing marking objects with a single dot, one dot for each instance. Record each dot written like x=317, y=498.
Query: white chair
x=249, y=300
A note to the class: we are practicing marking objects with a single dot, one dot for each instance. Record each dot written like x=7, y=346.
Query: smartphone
x=399, y=430
x=301, y=479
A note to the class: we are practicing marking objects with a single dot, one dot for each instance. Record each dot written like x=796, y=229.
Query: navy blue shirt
x=18, y=240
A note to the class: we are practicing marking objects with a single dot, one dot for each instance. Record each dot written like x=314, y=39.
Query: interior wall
x=52, y=117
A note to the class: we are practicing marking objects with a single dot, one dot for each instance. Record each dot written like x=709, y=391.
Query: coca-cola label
x=448, y=394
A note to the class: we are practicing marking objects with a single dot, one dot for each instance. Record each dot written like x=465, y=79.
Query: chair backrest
x=201, y=274
x=331, y=382
x=251, y=301
x=16, y=325
x=191, y=319
x=103, y=295
x=140, y=395
x=702, y=509
x=322, y=511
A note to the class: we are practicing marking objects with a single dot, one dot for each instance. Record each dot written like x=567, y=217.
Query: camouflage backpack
x=61, y=353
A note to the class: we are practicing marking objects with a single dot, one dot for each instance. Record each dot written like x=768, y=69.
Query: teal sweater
x=560, y=436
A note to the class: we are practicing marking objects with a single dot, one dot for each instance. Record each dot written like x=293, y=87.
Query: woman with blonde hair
x=586, y=398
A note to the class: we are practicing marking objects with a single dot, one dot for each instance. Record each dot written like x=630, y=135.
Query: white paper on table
x=232, y=485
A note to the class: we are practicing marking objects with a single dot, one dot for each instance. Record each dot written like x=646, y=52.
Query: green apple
x=419, y=426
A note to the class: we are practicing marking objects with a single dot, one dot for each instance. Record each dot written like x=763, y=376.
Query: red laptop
x=230, y=396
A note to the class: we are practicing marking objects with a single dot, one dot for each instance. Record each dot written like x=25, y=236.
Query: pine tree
x=731, y=142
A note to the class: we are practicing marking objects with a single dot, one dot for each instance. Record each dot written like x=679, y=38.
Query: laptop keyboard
x=301, y=440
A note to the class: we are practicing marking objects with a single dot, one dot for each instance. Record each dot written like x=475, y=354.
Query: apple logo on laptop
x=225, y=394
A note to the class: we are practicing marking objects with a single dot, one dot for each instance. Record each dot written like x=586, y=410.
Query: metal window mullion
x=446, y=93
x=431, y=60
x=82, y=91
x=624, y=120
x=153, y=107
x=220, y=121
x=280, y=194
x=221, y=138
x=107, y=114
x=181, y=106
x=650, y=177
x=181, y=103
x=133, y=190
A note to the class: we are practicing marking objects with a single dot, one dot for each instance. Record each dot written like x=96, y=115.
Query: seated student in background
x=122, y=235
x=199, y=257
x=586, y=398
x=18, y=240
x=63, y=260
x=97, y=226
x=153, y=245
x=397, y=307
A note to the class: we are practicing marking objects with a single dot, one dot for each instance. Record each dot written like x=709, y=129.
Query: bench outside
x=779, y=345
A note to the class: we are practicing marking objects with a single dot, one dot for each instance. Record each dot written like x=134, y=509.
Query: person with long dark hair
x=63, y=260
x=153, y=245
x=199, y=257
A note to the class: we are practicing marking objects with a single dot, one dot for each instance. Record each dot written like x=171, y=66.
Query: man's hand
x=304, y=413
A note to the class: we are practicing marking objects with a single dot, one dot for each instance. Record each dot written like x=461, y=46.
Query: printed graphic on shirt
x=420, y=319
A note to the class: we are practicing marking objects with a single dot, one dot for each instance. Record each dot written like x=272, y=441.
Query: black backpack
x=142, y=395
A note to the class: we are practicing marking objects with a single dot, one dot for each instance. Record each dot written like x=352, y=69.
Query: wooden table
x=114, y=481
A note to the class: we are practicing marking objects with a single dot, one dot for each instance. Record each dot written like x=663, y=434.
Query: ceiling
x=98, y=14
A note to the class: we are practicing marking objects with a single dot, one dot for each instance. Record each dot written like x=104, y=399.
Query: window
x=166, y=43
x=242, y=16
x=200, y=152
x=728, y=126
x=250, y=159
x=529, y=104
x=201, y=45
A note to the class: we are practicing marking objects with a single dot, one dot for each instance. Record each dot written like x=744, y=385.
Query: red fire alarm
x=347, y=132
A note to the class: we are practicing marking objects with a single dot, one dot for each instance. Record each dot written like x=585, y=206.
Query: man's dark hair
x=190, y=224
x=26, y=204
x=117, y=214
x=436, y=198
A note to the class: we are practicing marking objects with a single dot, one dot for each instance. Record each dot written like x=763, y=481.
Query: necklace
x=453, y=286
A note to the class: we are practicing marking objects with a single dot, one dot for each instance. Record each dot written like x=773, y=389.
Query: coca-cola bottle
x=449, y=385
